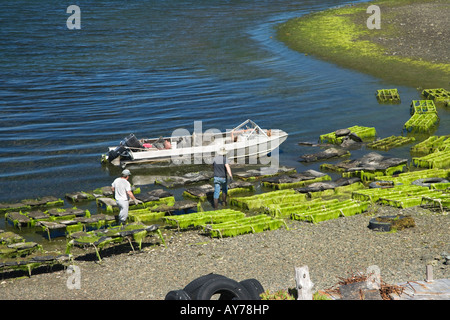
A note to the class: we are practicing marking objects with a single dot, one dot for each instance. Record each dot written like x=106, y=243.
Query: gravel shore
x=421, y=27
x=331, y=249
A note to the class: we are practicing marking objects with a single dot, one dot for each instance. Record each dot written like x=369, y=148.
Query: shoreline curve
x=408, y=49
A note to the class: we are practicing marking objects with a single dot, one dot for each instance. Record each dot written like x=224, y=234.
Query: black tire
x=228, y=289
x=254, y=288
x=376, y=225
x=177, y=295
x=193, y=287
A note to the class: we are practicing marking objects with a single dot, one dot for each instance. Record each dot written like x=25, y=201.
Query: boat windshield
x=248, y=130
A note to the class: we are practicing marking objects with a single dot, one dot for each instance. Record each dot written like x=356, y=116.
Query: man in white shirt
x=122, y=192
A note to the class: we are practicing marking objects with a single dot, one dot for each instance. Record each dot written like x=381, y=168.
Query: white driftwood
x=429, y=273
x=303, y=282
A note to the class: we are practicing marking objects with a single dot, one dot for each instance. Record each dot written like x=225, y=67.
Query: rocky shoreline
x=332, y=249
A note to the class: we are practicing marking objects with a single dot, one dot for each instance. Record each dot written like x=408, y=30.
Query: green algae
x=18, y=249
x=440, y=96
x=438, y=159
x=330, y=209
x=338, y=192
x=8, y=207
x=391, y=142
x=439, y=201
x=32, y=261
x=361, y=132
x=8, y=237
x=286, y=210
x=408, y=177
x=99, y=239
x=252, y=224
x=401, y=196
x=341, y=35
x=110, y=207
x=262, y=200
x=196, y=219
x=432, y=144
x=367, y=175
x=388, y=95
x=290, y=185
x=203, y=195
x=422, y=106
x=421, y=122
x=145, y=215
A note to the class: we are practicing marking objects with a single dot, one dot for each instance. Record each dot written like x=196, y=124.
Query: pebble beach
x=331, y=249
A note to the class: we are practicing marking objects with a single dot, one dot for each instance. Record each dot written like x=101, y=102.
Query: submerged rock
x=189, y=178
x=323, y=155
x=295, y=179
x=326, y=185
x=153, y=195
x=254, y=174
x=207, y=190
x=370, y=162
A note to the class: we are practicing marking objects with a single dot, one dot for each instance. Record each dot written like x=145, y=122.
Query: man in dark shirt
x=221, y=168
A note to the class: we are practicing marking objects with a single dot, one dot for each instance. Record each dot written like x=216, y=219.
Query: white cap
x=126, y=172
x=222, y=151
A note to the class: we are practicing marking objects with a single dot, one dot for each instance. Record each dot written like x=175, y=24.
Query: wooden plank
x=303, y=283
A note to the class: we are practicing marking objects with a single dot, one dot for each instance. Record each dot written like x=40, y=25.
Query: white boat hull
x=201, y=150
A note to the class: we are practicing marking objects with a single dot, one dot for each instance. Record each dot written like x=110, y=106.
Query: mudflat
x=409, y=48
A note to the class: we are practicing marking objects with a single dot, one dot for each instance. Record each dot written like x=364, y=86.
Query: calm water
x=150, y=67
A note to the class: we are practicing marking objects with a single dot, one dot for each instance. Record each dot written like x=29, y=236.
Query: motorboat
x=246, y=143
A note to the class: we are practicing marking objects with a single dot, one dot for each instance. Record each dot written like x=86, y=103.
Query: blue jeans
x=123, y=206
x=220, y=183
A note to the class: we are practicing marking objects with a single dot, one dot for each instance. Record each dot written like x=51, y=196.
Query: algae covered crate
x=390, y=142
x=422, y=106
x=16, y=254
x=438, y=159
x=252, y=224
x=439, y=201
x=145, y=215
x=411, y=176
x=439, y=95
x=402, y=196
x=260, y=201
x=424, y=117
x=361, y=132
x=388, y=95
x=330, y=209
x=99, y=239
x=29, y=204
x=432, y=144
x=421, y=122
x=197, y=219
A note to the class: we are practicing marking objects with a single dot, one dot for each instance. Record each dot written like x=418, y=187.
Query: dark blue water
x=150, y=67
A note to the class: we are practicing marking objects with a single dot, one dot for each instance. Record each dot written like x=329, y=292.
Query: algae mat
x=341, y=35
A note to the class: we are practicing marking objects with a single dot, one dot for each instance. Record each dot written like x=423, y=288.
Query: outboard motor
x=131, y=141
